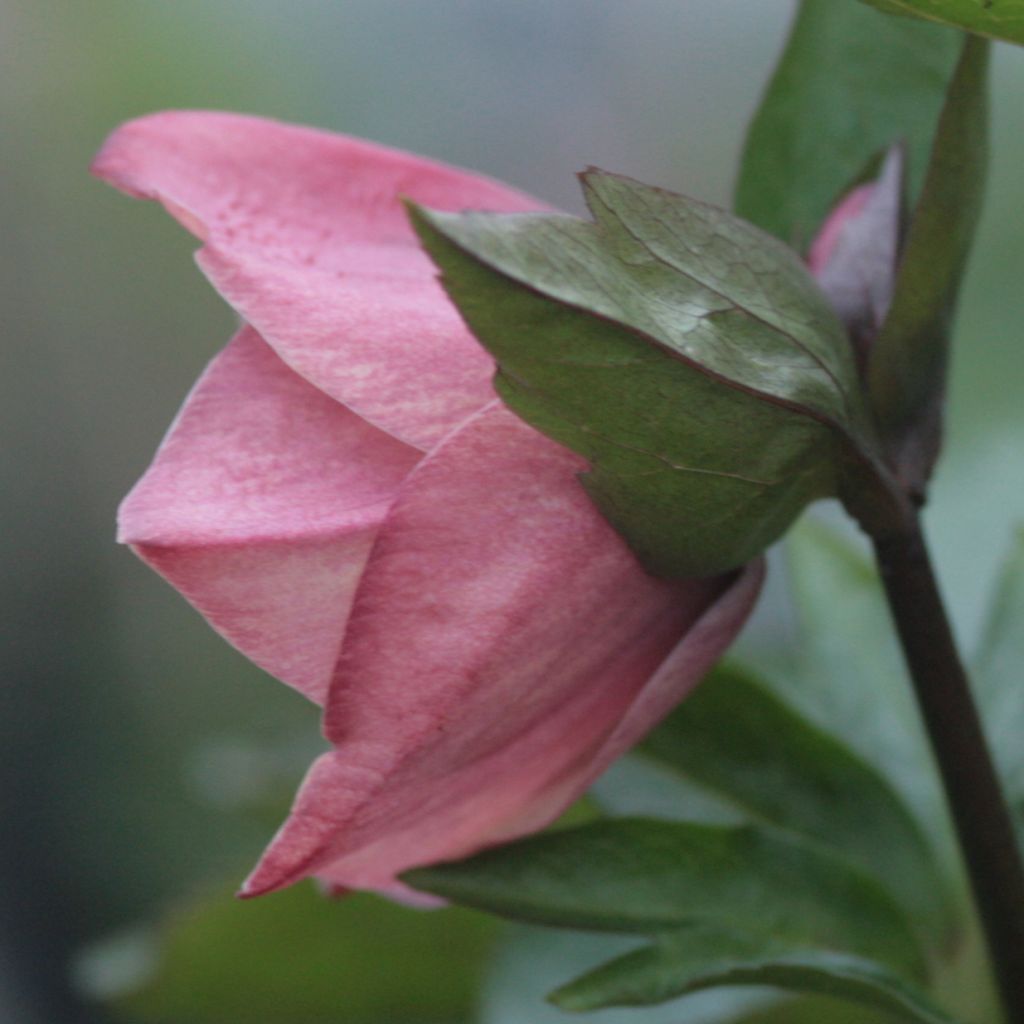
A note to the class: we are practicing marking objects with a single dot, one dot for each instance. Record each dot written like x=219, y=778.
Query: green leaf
x=299, y=958
x=999, y=675
x=850, y=83
x=531, y=961
x=998, y=19
x=807, y=1009
x=739, y=739
x=636, y=875
x=907, y=368
x=637, y=786
x=691, y=960
x=689, y=357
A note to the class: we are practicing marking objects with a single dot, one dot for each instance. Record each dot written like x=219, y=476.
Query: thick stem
x=975, y=797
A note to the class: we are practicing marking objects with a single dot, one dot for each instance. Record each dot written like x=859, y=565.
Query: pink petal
x=261, y=506
x=305, y=236
x=504, y=646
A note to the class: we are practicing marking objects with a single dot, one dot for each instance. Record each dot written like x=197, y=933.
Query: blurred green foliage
x=300, y=958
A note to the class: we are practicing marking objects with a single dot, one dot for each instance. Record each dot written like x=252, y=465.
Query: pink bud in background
x=828, y=240
x=343, y=499
x=855, y=254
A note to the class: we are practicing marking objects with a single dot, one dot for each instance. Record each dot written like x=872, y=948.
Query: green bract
x=686, y=354
x=907, y=369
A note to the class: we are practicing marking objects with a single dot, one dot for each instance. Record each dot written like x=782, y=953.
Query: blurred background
x=143, y=761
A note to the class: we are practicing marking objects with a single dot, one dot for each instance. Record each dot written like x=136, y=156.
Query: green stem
x=980, y=814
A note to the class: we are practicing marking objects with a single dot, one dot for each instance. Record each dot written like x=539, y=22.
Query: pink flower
x=345, y=501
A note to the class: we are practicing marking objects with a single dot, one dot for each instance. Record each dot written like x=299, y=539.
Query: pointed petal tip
x=262, y=881
x=256, y=883
x=248, y=891
x=276, y=869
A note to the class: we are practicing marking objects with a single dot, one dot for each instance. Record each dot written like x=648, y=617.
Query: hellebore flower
x=343, y=499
